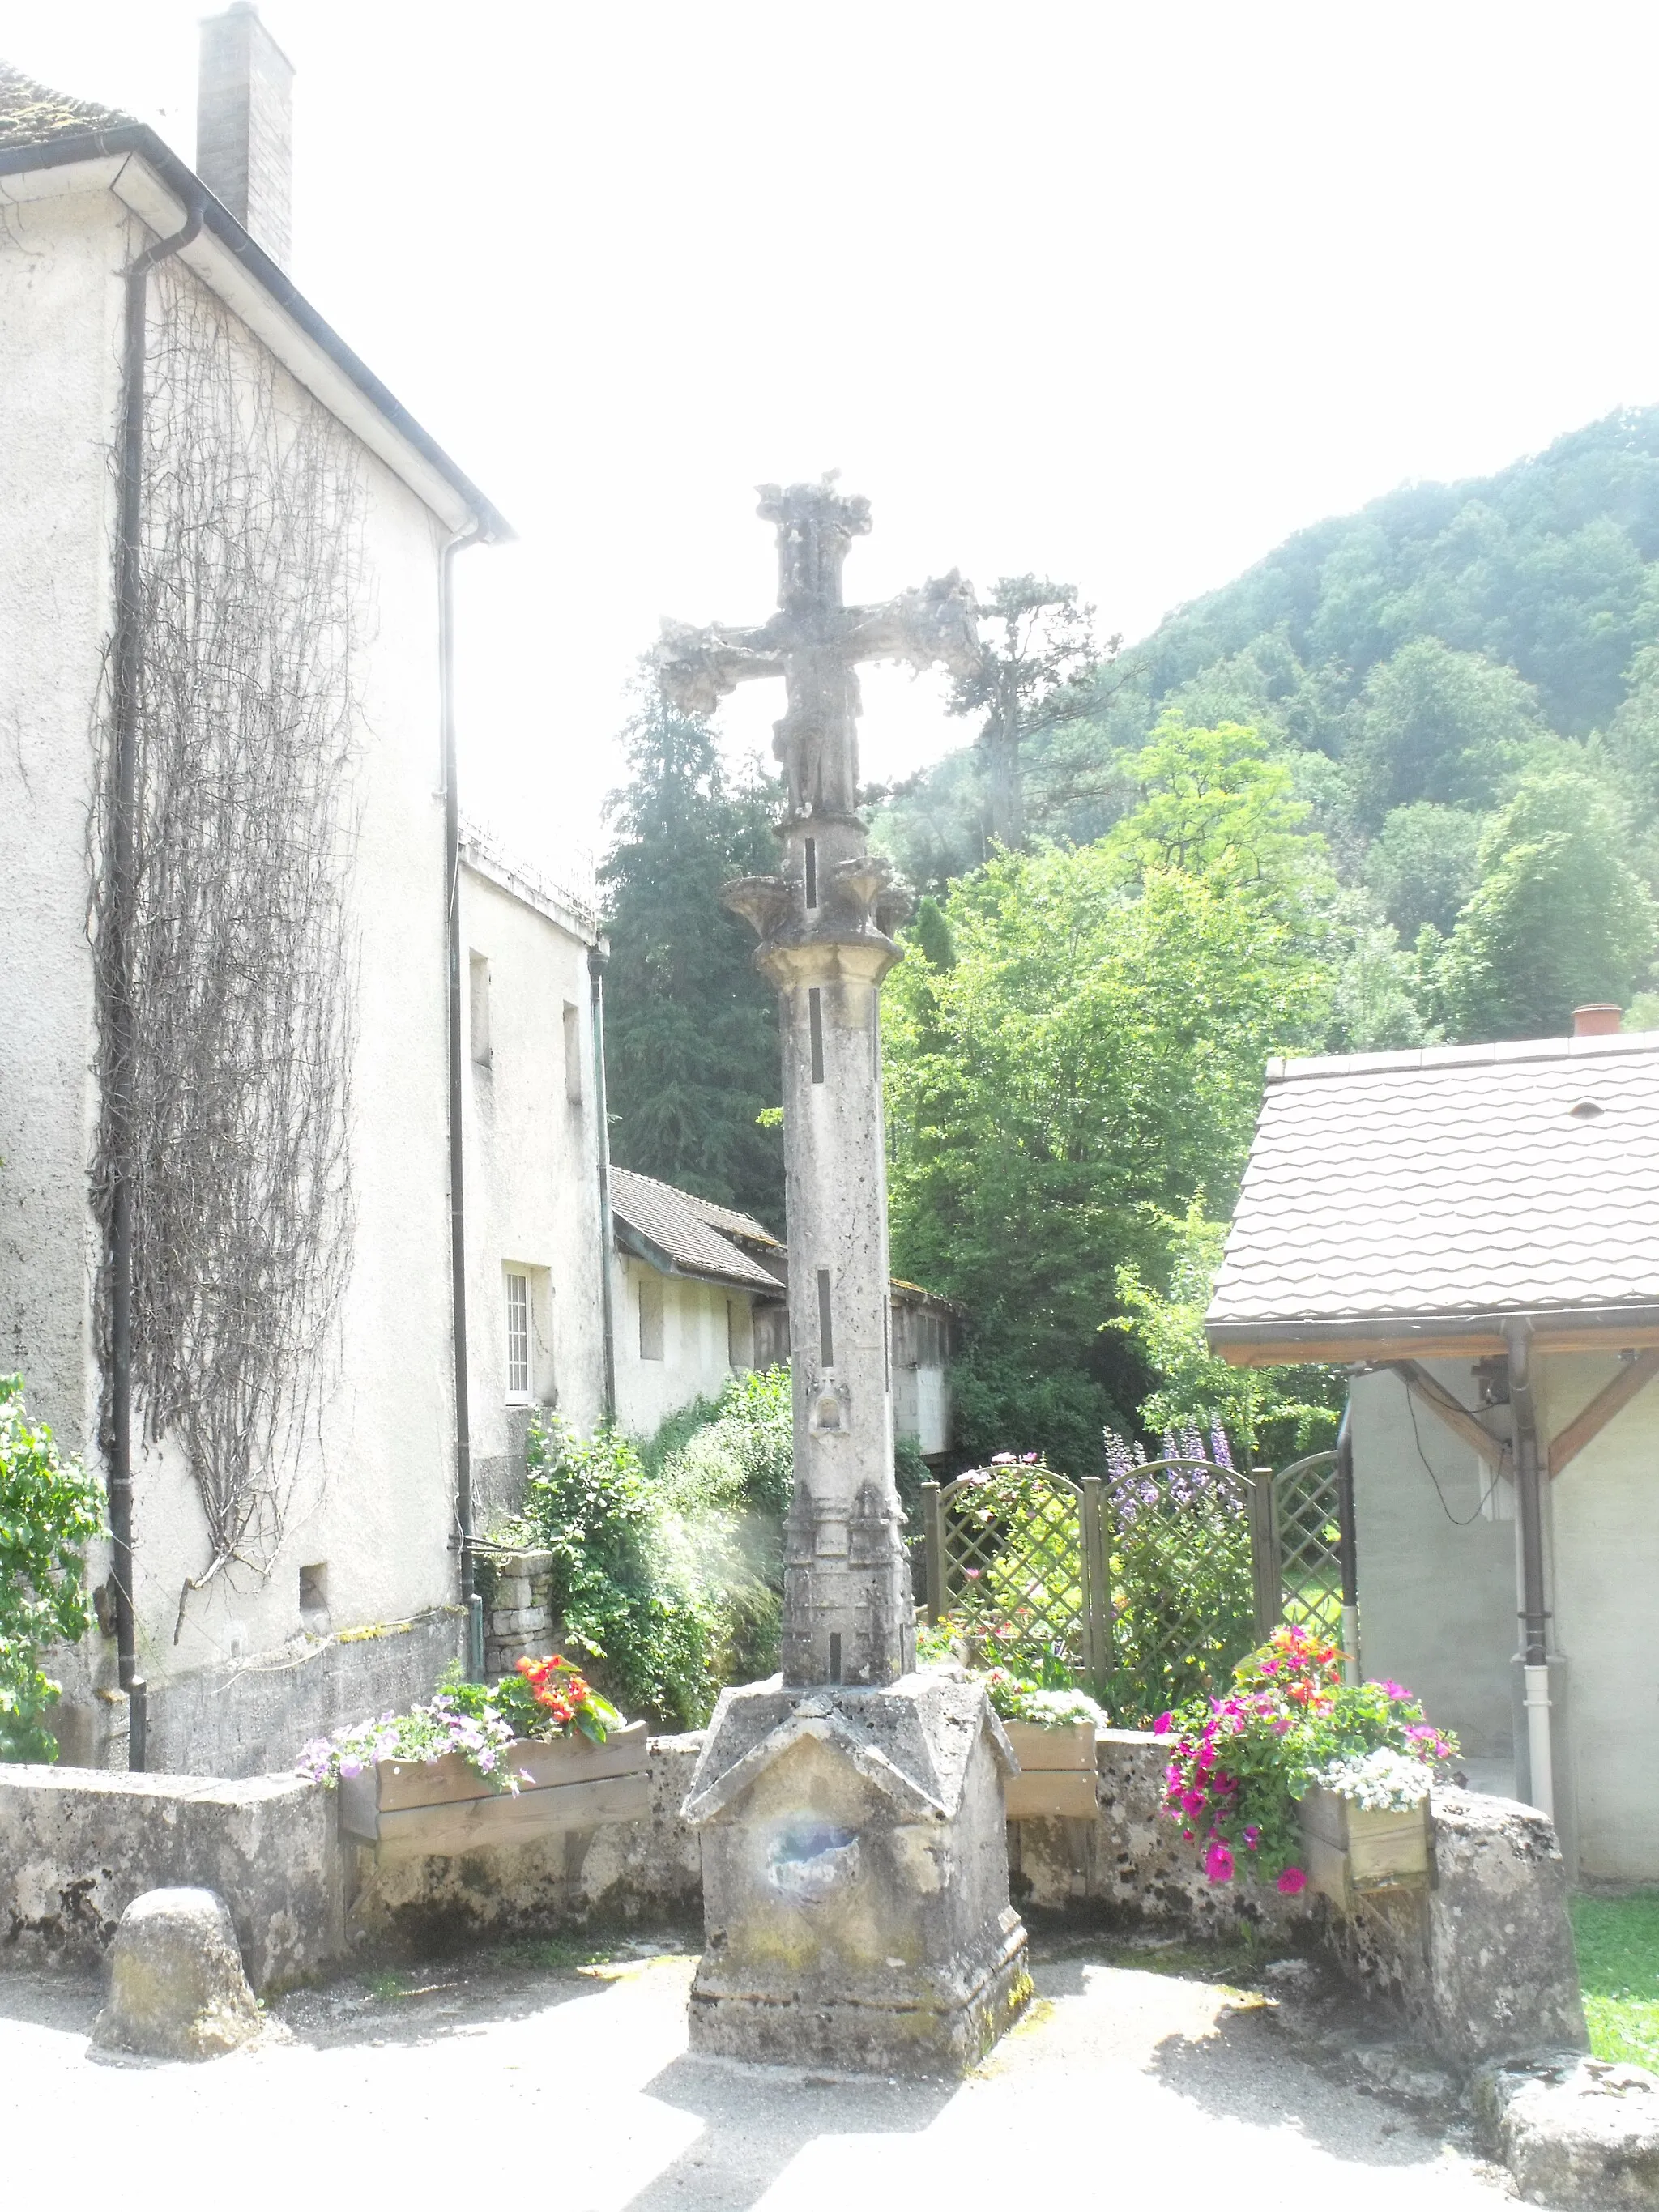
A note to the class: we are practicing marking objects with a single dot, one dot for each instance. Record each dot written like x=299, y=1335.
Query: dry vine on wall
x=242, y=969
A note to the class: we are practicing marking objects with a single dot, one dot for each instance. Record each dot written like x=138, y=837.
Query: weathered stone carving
x=856, y=1879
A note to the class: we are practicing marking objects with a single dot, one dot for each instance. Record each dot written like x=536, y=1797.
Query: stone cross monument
x=855, y=1874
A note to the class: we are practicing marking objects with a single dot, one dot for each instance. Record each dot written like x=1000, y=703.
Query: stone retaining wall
x=1481, y=1964
x=643, y=1870
x=1129, y=1866
x=76, y=1846
x=517, y=1589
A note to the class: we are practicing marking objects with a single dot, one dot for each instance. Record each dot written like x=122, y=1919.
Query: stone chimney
x=245, y=125
x=1596, y=1021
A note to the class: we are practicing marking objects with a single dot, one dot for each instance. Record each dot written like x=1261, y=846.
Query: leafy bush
x=668, y=1557
x=50, y=1510
x=589, y=1503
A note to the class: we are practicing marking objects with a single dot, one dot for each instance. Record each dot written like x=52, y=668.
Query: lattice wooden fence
x=1149, y=1586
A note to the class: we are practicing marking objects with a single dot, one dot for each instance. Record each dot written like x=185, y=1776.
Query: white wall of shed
x=695, y=1361
x=1604, y=1516
x=1436, y=1582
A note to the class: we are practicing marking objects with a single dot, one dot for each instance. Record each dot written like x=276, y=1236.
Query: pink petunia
x=1218, y=1864
x=1291, y=1881
x=1162, y=1724
x=1192, y=1801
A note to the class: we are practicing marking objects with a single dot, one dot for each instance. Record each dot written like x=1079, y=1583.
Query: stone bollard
x=176, y=1984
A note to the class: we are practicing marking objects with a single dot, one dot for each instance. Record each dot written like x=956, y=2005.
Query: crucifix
x=825, y=925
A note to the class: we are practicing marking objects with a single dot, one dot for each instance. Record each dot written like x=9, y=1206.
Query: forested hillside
x=1413, y=652
x=1398, y=783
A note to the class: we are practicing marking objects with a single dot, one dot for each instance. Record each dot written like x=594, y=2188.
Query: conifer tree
x=691, y=1029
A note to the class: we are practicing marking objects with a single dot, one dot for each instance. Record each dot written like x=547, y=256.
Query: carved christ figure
x=825, y=926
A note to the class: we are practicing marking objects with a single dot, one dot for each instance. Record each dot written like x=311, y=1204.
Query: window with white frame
x=518, y=1335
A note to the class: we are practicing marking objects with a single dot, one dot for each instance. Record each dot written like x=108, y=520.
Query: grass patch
x=1617, y=1939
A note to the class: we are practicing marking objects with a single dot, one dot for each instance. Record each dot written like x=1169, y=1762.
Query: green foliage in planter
x=50, y=1510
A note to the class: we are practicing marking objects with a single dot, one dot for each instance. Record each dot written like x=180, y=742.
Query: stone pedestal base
x=855, y=1878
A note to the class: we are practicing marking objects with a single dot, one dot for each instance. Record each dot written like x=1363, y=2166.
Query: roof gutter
x=138, y=139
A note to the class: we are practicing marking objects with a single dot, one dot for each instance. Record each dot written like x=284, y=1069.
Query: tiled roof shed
x=684, y=1235
x=1408, y=1203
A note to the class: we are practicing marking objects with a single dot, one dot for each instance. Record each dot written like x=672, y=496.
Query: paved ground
x=573, y=2083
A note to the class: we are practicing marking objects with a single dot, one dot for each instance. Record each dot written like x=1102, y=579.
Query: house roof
x=33, y=114
x=692, y=1234
x=41, y=130
x=1407, y=1201
x=685, y=1235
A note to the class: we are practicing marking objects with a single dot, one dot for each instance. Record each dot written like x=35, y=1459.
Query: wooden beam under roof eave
x=1381, y=1343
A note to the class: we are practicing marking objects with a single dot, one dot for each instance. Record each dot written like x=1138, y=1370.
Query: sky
x=1121, y=294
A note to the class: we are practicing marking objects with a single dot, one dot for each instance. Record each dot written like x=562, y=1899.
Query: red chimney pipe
x=1596, y=1021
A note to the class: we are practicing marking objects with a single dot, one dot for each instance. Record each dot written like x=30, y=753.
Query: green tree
x=1425, y=864
x=1558, y=919
x=1220, y=804
x=691, y=1029
x=1271, y=1415
x=1378, y=1000
x=50, y=1511
x=1088, y=1058
x=1437, y=725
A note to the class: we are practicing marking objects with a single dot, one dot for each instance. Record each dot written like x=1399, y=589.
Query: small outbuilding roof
x=1400, y=1202
x=691, y=1235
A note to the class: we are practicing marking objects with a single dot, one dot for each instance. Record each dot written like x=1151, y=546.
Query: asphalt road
x=571, y=2089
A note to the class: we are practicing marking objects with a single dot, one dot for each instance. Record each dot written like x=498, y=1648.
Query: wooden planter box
x=442, y=1808
x=1056, y=1777
x=1348, y=1852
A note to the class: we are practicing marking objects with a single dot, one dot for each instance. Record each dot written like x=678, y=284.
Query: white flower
x=1382, y=1781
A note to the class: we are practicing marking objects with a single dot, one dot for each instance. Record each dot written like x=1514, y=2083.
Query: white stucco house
x=1474, y=1231
x=300, y=1207
x=304, y=1203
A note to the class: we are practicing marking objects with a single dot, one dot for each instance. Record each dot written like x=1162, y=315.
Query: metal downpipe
x=122, y=1019
x=597, y=961
x=456, y=1011
x=1535, y=1616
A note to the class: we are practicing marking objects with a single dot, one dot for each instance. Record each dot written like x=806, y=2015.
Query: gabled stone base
x=855, y=1878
